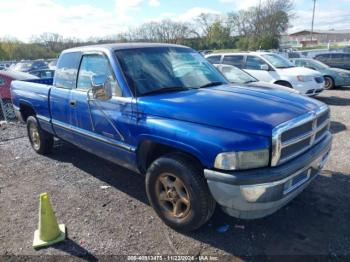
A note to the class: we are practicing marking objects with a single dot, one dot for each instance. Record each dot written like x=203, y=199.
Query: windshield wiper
x=250, y=81
x=165, y=90
x=215, y=83
x=281, y=67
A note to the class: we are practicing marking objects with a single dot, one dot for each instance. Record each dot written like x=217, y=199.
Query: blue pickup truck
x=165, y=112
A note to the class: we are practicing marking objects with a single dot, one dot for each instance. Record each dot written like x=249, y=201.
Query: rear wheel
x=9, y=112
x=328, y=82
x=178, y=192
x=41, y=141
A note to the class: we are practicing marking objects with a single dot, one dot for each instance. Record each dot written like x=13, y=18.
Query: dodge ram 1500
x=164, y=111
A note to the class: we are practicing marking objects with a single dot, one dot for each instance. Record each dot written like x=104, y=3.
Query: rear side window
x=67, y=69
x=2, y=81
x=337, y=57
x=215, y=59
x=236, y=60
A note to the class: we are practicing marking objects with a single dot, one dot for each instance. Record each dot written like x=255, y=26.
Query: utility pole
x=312, y=23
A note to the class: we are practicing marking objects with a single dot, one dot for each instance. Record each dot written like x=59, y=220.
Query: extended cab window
x=236, y=60
x=67, y=68
x=96, y=65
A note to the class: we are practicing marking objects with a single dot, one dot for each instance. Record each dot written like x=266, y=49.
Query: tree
x=263, y=25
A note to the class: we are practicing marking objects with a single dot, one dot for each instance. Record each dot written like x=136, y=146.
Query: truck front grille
x=294, y=137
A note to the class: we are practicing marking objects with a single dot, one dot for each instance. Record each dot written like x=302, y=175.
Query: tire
x=328, y=82
x=283, y=83
x=9, y=112
x=183, y=207
x=41, y=141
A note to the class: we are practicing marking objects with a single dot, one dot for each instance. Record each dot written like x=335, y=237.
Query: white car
x=238, y=76
x=274, y=69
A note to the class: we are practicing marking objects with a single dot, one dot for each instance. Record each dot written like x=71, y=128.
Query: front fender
x=202, y=141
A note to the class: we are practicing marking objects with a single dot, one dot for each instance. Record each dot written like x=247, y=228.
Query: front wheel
x=328, y=83
x=178, y=192
x=41, y=141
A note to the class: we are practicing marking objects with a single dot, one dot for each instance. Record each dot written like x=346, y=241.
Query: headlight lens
x=305, y=78
x=242, y=160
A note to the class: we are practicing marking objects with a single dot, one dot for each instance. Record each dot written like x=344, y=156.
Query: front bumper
x=257, y=193
x=310, y=88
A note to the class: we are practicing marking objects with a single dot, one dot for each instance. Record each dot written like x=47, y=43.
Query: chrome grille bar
x=317, y=120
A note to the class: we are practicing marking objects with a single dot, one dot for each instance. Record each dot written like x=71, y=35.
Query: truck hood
x=295, y=71
x=233, y=107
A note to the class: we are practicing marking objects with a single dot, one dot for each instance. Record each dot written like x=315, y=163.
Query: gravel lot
x=118, y=220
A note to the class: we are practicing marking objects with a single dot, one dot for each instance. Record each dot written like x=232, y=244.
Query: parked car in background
x=6, y=77
x=26, y=66
x=52, y=64
x=165, y=112
x=274, y=69
x=333, y=76
x=43, y=73
x=338, y=60
x=238, y=76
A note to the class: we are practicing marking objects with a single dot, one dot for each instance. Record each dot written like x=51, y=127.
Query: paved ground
x=118, y=219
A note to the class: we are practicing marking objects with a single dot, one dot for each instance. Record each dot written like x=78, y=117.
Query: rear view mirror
x=101, y=87
x=264, y=67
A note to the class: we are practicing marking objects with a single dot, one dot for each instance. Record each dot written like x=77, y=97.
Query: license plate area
x=296, y=181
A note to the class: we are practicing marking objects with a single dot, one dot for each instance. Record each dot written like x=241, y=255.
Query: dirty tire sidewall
x=201, y=201
x=45, y=139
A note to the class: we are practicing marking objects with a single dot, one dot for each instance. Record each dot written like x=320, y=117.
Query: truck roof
x=242, y=53
x=120, y=46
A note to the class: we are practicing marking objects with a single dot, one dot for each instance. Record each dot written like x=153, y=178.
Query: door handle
x=72, y=103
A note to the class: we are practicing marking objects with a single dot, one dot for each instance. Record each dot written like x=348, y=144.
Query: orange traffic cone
x=49, y=231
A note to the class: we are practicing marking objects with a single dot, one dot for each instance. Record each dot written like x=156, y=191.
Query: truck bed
x=34, y=93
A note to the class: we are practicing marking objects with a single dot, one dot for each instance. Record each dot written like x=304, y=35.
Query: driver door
x=102, y=125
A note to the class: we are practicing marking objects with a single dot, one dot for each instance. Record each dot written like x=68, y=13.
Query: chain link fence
x=2, y=111
x=7, y=113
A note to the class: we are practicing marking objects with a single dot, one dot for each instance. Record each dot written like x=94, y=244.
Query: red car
x=6, y=78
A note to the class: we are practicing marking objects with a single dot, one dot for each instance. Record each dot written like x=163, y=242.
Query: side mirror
x=264, y=67
x=101, y=87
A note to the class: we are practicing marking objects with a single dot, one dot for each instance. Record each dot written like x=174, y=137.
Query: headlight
x=242, y=160
x=344, y=74
x=305, y=78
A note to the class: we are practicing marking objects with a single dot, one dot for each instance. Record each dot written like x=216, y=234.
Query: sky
x=98, y=18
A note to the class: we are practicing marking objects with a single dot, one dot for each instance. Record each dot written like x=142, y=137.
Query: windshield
x=148, y=70
x=236, y=75
x=317, y=64
x=278, y=61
